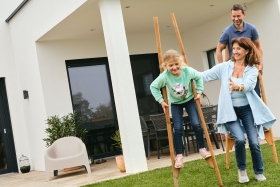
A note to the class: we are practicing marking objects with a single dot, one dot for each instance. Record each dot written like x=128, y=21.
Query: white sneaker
x=260, y=177
x=242, y=176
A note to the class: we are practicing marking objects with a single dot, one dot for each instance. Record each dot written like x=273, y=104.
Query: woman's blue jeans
x=177, y=118
x=244, y=113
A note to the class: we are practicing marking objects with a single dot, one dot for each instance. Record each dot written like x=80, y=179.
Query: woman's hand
x=164, y=105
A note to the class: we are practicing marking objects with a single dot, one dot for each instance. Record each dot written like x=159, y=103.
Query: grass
x=199, y=174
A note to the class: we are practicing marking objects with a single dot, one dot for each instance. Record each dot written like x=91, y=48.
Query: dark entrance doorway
x=93, y=98
x=8, y=161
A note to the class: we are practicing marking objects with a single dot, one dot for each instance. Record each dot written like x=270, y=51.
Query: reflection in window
x=90, y=93
x=147, y=81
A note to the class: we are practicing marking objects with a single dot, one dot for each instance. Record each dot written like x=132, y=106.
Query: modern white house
x=98, y=57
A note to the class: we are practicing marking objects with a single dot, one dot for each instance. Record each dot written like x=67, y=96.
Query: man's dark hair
x=237, y=7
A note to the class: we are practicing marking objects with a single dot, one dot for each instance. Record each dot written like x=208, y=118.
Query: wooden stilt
x=229, y=146
x=268, y=133
x=176, y=171
x=211, y=160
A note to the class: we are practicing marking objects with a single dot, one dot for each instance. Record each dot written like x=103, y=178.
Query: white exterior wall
x=42, y=71
x=14, y=92
x=52, y=56
x=44, y=15
x=265, y=16
x=40, y=67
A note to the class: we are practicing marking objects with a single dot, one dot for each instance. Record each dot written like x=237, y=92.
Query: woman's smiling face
x=238, y=52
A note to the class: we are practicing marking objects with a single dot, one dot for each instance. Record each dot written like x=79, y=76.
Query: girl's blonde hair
x=172, y=55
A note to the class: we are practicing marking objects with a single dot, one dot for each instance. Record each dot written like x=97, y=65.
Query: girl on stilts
x=177, y=78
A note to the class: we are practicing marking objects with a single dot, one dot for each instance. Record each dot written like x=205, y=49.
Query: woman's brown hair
x=253, y=56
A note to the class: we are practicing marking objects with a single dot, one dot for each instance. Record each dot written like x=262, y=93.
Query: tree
x=81, y=105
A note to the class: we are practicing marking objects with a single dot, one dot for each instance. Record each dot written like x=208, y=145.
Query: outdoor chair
x=147, y=135
x=210, y=117
x=210, y=114
x=159, y=123
x=64, y=153
x=189, y=133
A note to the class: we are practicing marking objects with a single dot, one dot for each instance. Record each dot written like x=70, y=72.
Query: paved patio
x=100, y=172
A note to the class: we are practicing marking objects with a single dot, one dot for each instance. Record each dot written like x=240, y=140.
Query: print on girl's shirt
x=180, y=90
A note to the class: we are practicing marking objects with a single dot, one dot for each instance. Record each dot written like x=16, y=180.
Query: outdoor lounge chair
x=64, y=153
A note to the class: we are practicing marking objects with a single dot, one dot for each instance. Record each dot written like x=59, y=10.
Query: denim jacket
x=261, y=113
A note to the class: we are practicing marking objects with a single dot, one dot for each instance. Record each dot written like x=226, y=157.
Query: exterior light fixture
x=25, y=94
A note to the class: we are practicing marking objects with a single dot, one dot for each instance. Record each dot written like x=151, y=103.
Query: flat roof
x=16, y=10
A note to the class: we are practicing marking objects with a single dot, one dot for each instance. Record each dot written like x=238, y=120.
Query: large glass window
x=90, y=92
x=92, y=99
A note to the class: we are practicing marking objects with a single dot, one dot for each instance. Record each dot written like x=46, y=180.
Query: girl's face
x=174, y=67
x=238, y=52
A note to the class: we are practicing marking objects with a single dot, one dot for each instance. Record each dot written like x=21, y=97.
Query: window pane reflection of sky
x=92, y=82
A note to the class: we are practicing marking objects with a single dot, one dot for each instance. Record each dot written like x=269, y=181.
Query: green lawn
x=199, y=174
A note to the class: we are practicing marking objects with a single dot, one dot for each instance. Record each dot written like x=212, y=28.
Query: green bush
x=65, y=126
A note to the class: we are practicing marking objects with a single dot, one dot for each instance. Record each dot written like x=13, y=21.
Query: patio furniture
x=210, y=117
x=147, y=135
x=159, y=123
x=64, y=153
x=188, y=132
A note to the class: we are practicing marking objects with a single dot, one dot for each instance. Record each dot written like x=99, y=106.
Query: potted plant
x=118, y=144
x=59, y=127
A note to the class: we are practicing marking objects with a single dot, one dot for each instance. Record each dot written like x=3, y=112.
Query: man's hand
x=220, y=47
x=261, y=69
x=259, y=47
x=164, y=105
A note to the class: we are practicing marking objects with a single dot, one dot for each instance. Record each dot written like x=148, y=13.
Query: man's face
x=237, y=17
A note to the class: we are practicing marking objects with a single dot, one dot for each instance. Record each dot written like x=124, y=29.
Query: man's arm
x=219, y=49
x=259, y=47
